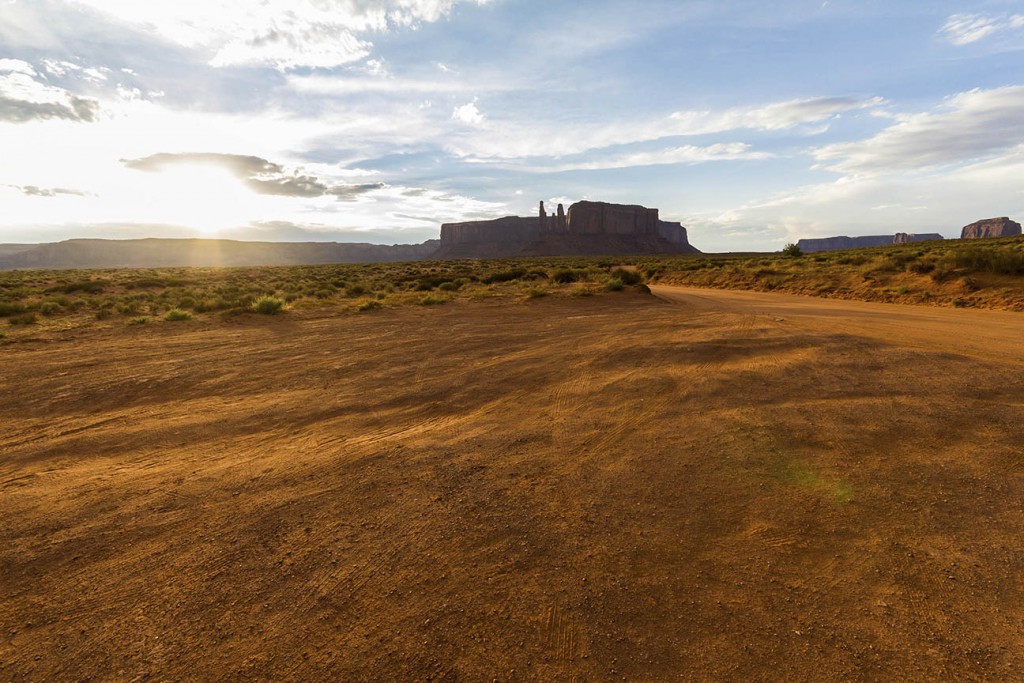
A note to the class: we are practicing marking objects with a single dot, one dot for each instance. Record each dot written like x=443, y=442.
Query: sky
x=753, y=123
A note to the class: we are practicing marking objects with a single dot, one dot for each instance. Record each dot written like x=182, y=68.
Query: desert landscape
x=511, y=341
x=685, y=484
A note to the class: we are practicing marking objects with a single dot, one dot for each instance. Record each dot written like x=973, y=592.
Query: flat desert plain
x=697, y=485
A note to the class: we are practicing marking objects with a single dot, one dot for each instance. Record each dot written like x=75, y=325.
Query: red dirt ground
x=712, y=485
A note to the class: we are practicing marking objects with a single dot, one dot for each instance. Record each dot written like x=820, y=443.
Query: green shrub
x=11, y=308
x=628, y=277
x=448, y=287
x=24, y=319
x=49, y=308
x=791, y=250
x=921, y=267
x=429, y=300
x=564, y=276
x=998, y=260
x=613, y=284
x=87, y=286
x=852, y=260
x=536, y=293
x=267, y=305
x=128, y=308
x=176, y=315
x=138, y=320
x=504, y=276
x=369, y=305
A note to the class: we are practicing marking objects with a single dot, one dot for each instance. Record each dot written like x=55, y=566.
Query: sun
x=204, y=198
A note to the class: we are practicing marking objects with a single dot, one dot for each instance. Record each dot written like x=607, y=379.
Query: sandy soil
x=704, y=485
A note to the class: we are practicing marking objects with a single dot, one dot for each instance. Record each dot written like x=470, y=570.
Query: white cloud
x=17, y=66
x=504, y=140
x=941, y=202
x=688, y=154
x=344, y=85
x=774, y=116
x=964, y=29
x=280, y=33
x=24, y=97
x=58, y=67
x=210, y=195
x=468, y=114
x=969, y=126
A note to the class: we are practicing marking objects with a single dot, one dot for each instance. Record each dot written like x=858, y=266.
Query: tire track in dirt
x=560, y=636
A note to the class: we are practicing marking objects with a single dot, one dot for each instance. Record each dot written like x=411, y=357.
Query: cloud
x=282, y=34
x=941, y=201
x=968, y=126
x=687, y=154
x=350, y=192
x=964, y=29
x=769, y=117
x=508, y=140
x=239, y=164
x=34, y=191
x=468, y=114
x=260, y=175
x=17, y=66
x=340, y=85
x=24, y=98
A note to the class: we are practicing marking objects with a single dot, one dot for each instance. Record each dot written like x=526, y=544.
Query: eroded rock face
x=498, y=238
x=905, y=238
x=673, y=232
x=587, y=228
x=809, y=246
x=600, y=218
x=159, y=253
x=991, y=227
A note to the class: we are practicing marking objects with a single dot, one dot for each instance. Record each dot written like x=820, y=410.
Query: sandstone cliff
x=904, y=238
x=586, y=229
x=152, y=253
x=498, y=238
x=601, y=218
x=809, y=246
x=991, y=227
x=673, y=232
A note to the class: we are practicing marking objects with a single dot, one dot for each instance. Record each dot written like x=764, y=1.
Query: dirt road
x=992, y=335
x=704, y=486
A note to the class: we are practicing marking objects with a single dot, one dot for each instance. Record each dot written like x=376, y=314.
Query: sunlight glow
x=203, y=197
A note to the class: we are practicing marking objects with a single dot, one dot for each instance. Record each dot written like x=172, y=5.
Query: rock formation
x=154, y=253
x=991, y=227
x=905, y=238
x=673, y=232
x=498, y=238
x=600, y=218
x=809, y=246
x=586, y=229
